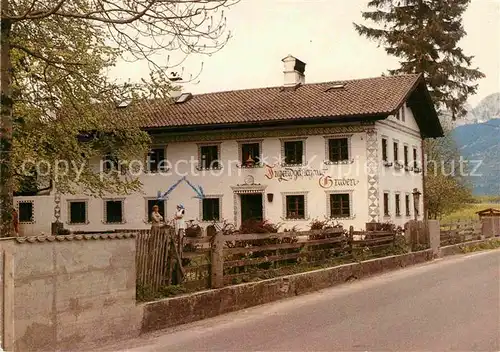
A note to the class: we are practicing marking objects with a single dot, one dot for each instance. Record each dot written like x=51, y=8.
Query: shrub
x=317, y=224
x=259, y=226
x=193, y=231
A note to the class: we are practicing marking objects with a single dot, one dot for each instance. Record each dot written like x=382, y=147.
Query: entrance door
x=251, y=207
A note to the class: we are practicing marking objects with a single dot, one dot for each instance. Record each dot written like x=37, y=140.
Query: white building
x=348, y=150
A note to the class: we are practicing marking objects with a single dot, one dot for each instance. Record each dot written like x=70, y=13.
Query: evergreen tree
x=424, y=35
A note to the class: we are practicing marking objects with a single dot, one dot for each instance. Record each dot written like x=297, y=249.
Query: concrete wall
x=72, y=291
x=180, y=310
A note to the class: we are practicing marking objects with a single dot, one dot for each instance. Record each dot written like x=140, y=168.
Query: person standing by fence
x=180, y=227
x=180, y=223
x=156, y=218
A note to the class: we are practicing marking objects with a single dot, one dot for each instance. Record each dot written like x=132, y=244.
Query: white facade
x=363, y=177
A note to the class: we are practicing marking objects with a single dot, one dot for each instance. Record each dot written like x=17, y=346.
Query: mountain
x=487, y=109
x=478, y=137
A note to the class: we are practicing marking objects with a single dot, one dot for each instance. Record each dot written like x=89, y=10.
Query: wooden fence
x=209, y=262
x=158, y=264
x=460, y=231
x=246, y=257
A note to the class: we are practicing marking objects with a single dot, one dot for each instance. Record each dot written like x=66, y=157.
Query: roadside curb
x=206, y=304
x=455, y=249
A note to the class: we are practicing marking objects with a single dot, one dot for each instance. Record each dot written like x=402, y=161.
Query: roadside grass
x=489, y=245
x=468, y=212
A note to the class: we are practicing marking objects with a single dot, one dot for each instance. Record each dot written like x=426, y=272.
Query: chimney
x=175, y=93
x=294, y=71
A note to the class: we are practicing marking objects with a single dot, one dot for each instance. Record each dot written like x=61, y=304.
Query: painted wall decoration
x=197, y=189
x=329, y=182
x=283, y=174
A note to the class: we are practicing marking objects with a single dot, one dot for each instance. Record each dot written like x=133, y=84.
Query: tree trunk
x=6, y=181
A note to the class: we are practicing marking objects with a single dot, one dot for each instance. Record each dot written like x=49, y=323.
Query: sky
x=320, y=33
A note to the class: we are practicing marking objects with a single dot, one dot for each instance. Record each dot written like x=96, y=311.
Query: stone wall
x=180, y=310
x=72, y=291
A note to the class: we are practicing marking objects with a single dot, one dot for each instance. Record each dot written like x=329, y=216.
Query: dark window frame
x=405, y=155
x=293, y=147
x=209, y=156
x=71, y=218
x=415, y=157
x=157, y=164
x=386, y=204
x=343, y=205
x=407, y=205
x=23, y=213
x=211, y=209
x=107, y=212
x=385, y=154
x=395, y=146
x=115, y=162
x=397, y=201
x=338, y=149
x=245, y=153
x=295, y=204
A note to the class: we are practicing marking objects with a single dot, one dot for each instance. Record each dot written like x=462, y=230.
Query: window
x=110, y=162
x=338, y=149
x=340, y=205
x=161, y=207
x=407, y=204
x=384, y=149
x=25, y=212
x=113, y=211
x=295, y=207
x=400, y=115
x=211, y=209
x=77, y=212
x=405, y=152
x=397, y=199
x=396, y=151
x=209, y=157
x=294, y=151
x=386, y=204
x=250, y=152
x=415, y=164
x=156, y=160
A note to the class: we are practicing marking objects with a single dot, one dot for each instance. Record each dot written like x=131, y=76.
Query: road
x=449, y=304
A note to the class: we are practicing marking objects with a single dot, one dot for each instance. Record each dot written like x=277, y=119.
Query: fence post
x=217, y=261
x=350, y=239
x=434, y=236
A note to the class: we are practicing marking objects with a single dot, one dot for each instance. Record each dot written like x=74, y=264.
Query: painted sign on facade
x=291, y=174
x=329, y=182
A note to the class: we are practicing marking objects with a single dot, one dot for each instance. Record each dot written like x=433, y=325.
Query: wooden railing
x=211, y=262
x=237, y=258
x=460, y=231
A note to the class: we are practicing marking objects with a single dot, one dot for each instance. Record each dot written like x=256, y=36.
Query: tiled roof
x=362, y=97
